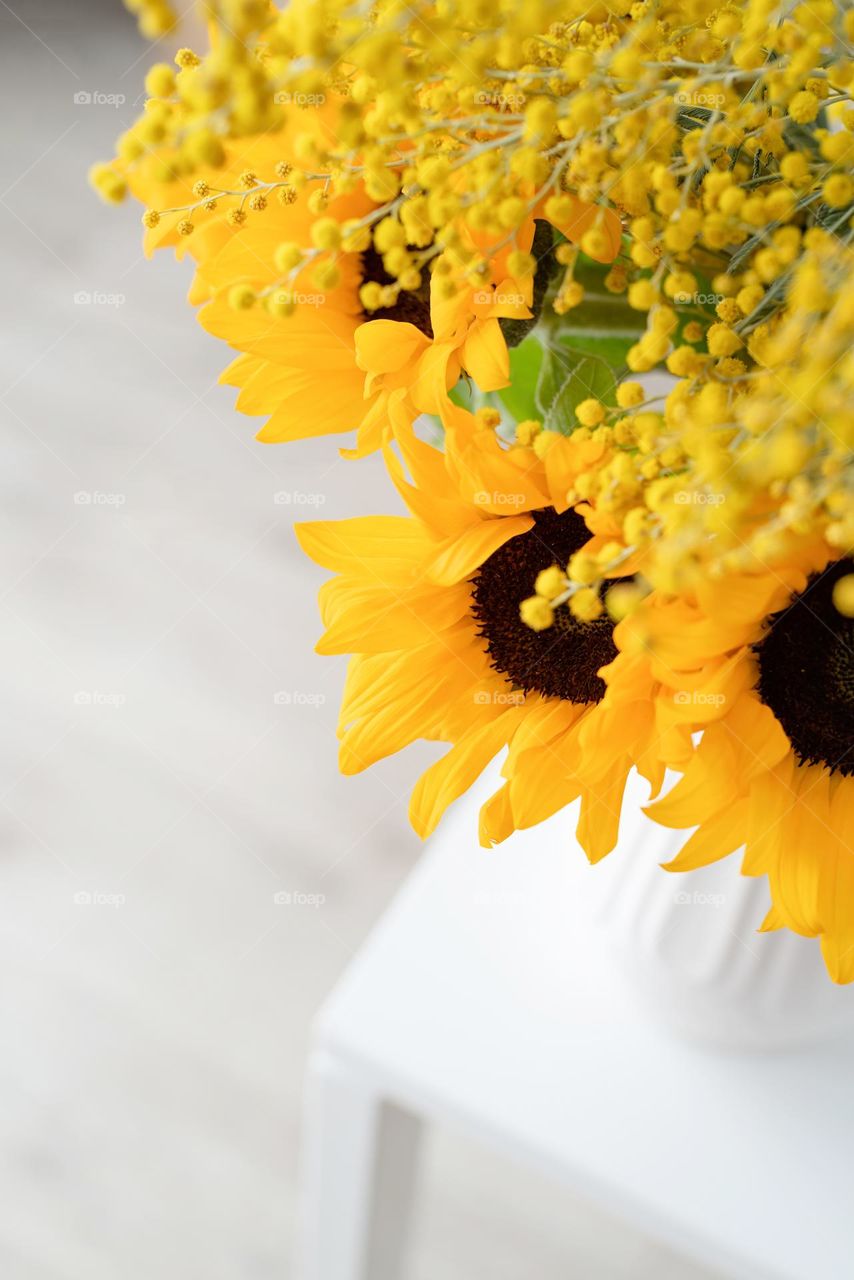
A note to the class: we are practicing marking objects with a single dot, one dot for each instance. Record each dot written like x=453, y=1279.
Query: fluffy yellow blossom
x=704, y=154
x=536, y=613
x=843, y=596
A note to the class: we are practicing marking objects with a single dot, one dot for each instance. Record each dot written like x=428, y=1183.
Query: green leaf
x=553, y=372
x=603, y=315
x=566, y=378
x=519, y=398
x=462, y=394
x=613, y=350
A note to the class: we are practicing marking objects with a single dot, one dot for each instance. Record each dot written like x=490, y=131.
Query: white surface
x=359, y=1177
x=485, y=998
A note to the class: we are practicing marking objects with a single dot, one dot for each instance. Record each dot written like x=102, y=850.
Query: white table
x=485, y=999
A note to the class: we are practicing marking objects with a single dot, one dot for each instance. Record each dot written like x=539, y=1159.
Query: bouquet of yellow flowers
x=584, y=274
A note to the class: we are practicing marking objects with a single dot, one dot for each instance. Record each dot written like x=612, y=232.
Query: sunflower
x=299, y=369
x=429, y=605
x=763, y=664
x=312, y=360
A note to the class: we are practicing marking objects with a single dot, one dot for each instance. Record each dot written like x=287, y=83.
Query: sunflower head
x=564, y=660
x=751, y=678
x=805, y=661
x=429, y=607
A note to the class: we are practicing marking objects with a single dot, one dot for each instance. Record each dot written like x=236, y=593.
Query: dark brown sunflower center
x=562, y=661
x=806, y=673
x=412, y=306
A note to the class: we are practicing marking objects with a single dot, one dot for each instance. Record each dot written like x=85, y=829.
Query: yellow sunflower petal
x=773, y=921
x=837, y=888
x=547, y=719
x=403, y=712
x=461, y=556
x=599, y=823
x=435, y=502
x=796, y=876
x=364, y=618
x=435, y=372
x=716, y=838
x=374, y=545
x=307, y=408
x=485, y=355
x=449, y=777
x=771, y=800
x=316, y=337
x=757, y=736
x=496, y=818
x=541, y=786
x=707, y=785
x=385, y=346
x=583, y=217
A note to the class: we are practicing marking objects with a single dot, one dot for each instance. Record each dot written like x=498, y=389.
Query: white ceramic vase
x=689, y=945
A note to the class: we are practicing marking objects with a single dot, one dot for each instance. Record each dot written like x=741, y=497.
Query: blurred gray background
x=169, y=759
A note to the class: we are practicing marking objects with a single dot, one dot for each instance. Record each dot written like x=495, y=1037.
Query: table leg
x=359, y=1164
